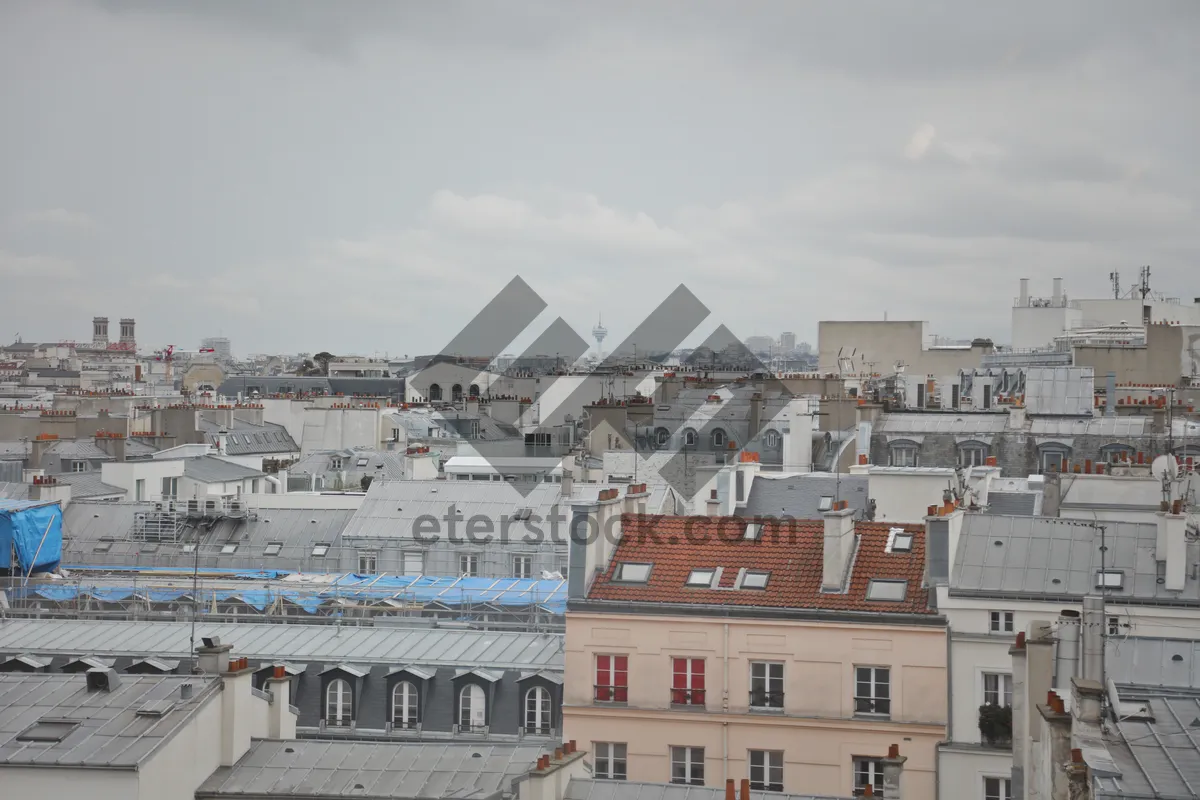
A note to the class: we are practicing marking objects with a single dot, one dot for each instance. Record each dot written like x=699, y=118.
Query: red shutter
x=621, y=679
x=679, y=680
x=698, y=681
x=603, y=675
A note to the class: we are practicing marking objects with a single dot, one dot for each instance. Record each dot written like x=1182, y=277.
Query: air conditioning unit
x=158, y=507
x=193, y=506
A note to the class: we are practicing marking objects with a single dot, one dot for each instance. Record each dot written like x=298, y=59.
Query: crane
x=167, y=356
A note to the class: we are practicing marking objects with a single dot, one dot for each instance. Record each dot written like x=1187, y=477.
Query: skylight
x=753, y=532
x=754, y=580
x=273, y=548
x=362, y=462
x=899, y=541
x=826, y=503
x=320, y=549
x=48, y=731
x=890, y=591
x=632, y=573
x=1110, y=579
x=189, y=548
x=701, y=577
x=229, y=549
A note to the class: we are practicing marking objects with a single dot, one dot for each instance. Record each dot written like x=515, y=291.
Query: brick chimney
x=838, y=546
x=893, y=771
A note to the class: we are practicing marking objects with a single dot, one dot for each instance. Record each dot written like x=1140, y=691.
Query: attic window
x=229, y=549
x=273, y=548
x=754, y=580
x=899, y=541
x=826, y=503
x=632, y=573
x=753, y=532
x=320, y=549
x=1110, y=579
x=189, y=548
x=102, y=546
x=362, y=462
x=701, y=578
x=48, y=731
x=888, y=591
x=522, y=513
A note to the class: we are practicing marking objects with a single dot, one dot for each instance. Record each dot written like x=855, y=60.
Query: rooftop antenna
x=1144, y=289
x=1166, y=469
x=1115, y=277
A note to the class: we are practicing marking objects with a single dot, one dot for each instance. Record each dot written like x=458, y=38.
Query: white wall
x=187, y=759
x=1111, y=312
x=905, y=496
x=288, y=413
x=340, y=429
x=1037, y=327
x=126, y=474
x=306, y=500
x=95, y=784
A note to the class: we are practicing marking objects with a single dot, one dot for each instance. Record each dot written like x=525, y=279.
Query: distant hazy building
x=787, y=341
x=760, y=344
x=219, y=346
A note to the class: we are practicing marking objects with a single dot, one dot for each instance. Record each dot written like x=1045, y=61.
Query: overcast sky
x=363, y=176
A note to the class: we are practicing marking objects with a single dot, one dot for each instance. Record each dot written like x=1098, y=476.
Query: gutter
x=650, y=608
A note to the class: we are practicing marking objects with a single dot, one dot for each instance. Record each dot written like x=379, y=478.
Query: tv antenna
x=1115, y=277
x=1166, y=469
x=1144, y=288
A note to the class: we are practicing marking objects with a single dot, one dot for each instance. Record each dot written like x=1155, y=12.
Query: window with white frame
x=367, y=562
x=1000, y=621
x=687, y=765
x=335, y=464
x=972, y=454
x=687, y=682
x=1051, y=459
x=766, y=684
x=170, y=488
x=472, y=708
x=689, y=438
x=79, y=466
x=412, y=563
x=537, y=711
x=997, y=689
x=610, y=761
x=339, y=703
x=718, y=438
x=404, y=705
x=867, y=772
x=997, y=789
x=872, y=690
x=903, y=454
x=468, y=565
x=772, y=438
x=766, y=770
x=522, y=566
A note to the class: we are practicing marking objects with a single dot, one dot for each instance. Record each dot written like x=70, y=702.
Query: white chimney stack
x=1171, y=547
x=1024, y=293
x=838, y=546
x=1058, y=291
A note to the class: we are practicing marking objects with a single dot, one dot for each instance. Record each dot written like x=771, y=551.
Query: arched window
x=537, y=711
x=404, y=705
x=456, y=392
x=689, y=437
x=718, y=438
x=474, y=390
x=772, y=438
x=339, y=704
x=1051, y=457
x=472, y=708
x=904, y=453
x=435, y=392
x=662, y=436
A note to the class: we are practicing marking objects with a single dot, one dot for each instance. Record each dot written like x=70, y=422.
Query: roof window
x=753, y=532
x=273, y=548
x=1110, y=579
x=48, y=731
x=701, y=578
x=754, y=579
x=826, y=503
x=229, y=549
x=887, y=591
x=189, y=548
x=899, y=541
x=362, y=462
x=320, y=549
x=632, y=573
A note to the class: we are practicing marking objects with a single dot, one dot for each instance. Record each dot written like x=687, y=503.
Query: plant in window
x=995, y=724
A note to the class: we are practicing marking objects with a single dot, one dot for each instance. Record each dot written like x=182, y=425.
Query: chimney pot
x=558, y=754
x=1076, y=756
x=280, y=672
x=730, y=792
x=894, y=751
x=1020, y=639
x=745, y=789
x=868, y=791
x=572, y=746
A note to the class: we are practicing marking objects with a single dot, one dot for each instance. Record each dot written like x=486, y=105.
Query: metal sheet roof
x=581, y=789
x=1151, y=662
x=308, y=768
x=1116, y=427
x=961, y=424
x=302, y=643
x=89, y=484
x=1049, y=556
x=110, y=733
x=1158, y=757
x=209, y=469
x=1060, y=390
x=800, y=496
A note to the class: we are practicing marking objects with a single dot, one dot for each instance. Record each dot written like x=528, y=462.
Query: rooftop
x=1156, y=752
x=246, y=438
x=210, y=469
x=803, y=496
x=788, y=552
x=54, y=720
x=623, y=790
x=307, y=768
x=89, y=484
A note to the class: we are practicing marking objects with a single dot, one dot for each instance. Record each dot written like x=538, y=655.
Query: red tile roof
x=791, y=550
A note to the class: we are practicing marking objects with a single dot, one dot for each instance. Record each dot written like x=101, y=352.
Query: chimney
x=38, y=448
x=1158, y=421
x=1087, y=697
x=838, y=546
x=1058, y=292
x=1039, y=655
x=48, y=490
x=212, y=657
x=1066, y=664
x=549, y=779
x=863, y=443
x=745, y=789
x=237, y=710
x=224, y=417
x=1020, y=717
x=111, y=443
x=1024, y=303
x=1091, y=638
x=636, y=495
x=222, y=437
x=714, y=504
x=893, y=770
x=568, y=483
x=1171, y=547
x=281, y=720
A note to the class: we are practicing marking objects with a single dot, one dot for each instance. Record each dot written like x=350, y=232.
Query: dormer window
x=754, y=579
x=887, y=591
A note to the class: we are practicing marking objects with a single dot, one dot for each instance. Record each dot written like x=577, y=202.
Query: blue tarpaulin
x=34, y=532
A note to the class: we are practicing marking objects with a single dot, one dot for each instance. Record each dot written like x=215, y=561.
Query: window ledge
x=688, y=707
x=768, y=710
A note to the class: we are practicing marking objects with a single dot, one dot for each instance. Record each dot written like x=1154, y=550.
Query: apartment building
x=794, y=653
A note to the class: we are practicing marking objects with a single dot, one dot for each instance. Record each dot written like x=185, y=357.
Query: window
x=229, y=549
x=456, y=392
x=701, y=578
x=139, y=489
x=468, y=565
x=972, y=455
x=766, y=684
x=718, y=438
x=997, y=689
x=632, y=573
x=687, y=765
x=1110, y=579
x=170, y=488
x=189, y=548
x=610, y=761
x=79, y=466
x=1001, y=621
x=687, y=681
x=904, y=455
x=537, y=711
x=435, y=392
x=662, y=436
x=987, y=396
x=899, y=541
x=997, y=789
x=887, y=591
x=612, y=679
x=766, y=770
x=689, y=438
x=320, y=550
x=472, y=708
x=753, y=579
x=1052, y=459
x=404, y=705
x=339, y=703
x=772, y=438
x=367, y=562
x=413, y=563
x=867, y=772
x=1115, y=454
x=361, y=462
x=753, y=532
x=522, y=566
x=872, y=690
x=103, y=546
x=335, y=463
x=273, y=548
x=826, y=503
x=1114, y=626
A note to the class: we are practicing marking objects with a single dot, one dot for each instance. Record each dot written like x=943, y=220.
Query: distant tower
x=100, y=330
x=127, y=337
x=598, y=333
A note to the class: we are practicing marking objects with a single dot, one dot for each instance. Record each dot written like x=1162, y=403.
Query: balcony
x=872, y=707
x=995, y=726
x=762, y=700
x=610, y=695
x=687, y=698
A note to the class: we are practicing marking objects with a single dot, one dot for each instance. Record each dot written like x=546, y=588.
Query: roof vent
x=103, y=680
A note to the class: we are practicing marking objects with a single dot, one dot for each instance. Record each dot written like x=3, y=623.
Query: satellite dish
x=1165, y=466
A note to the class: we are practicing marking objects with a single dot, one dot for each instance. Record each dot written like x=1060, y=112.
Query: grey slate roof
x=78, y=449
x=799, y=496
x=579, y=789
x=208, y=469
x=306, y=768
x=382, y=464
x=300, y=643
x=1043, y=557
x=1012, y=504
x=88, y=484
x=943, y=422
x=1116, y=427
x=14, y=450
x=1157, y=758
x=110, y=734
x=246, y=438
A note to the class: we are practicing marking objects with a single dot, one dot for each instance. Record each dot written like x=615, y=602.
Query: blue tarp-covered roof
x=33, y=531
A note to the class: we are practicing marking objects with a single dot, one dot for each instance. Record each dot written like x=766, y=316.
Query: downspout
x=937, y=750
x=725, y=707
